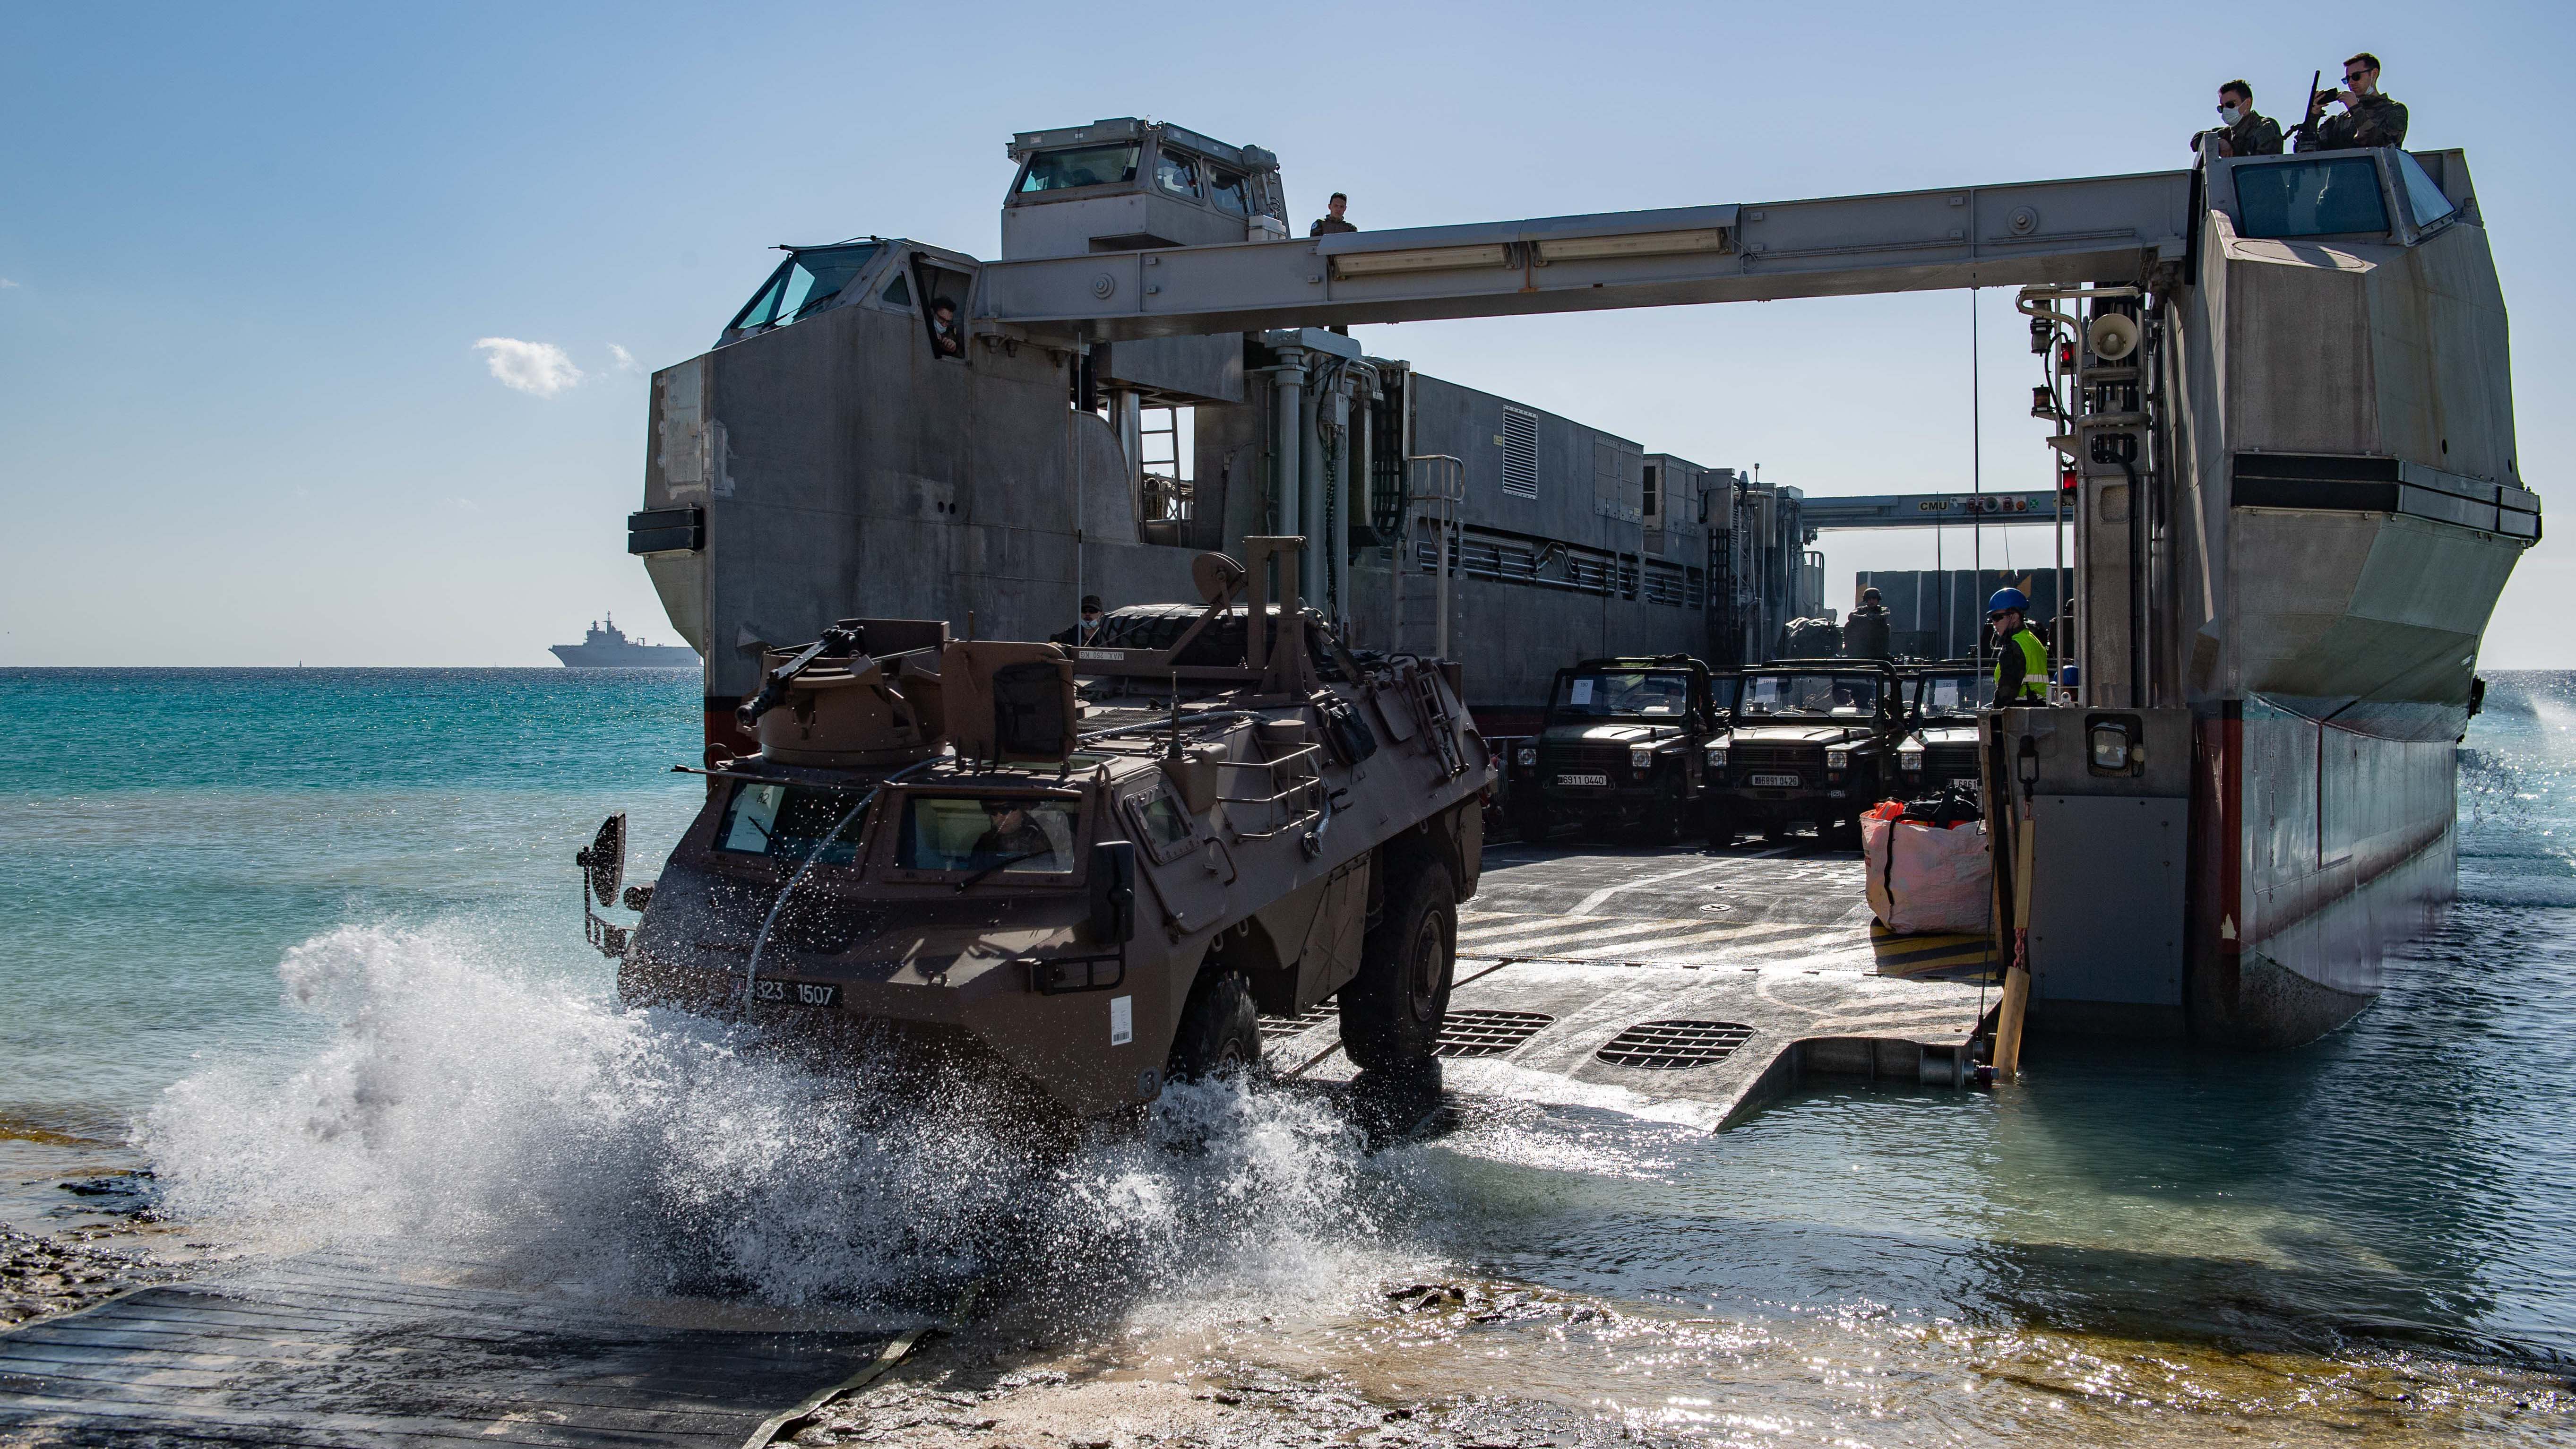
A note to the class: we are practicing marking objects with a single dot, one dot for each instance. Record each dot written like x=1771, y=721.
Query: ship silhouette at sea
x=604, y=647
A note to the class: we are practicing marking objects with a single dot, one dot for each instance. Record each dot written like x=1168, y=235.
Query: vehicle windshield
x=1011, y=834
x=1837, y=696
x=1622, y=694
x=786, y=822
x=1953, y=694
x=1090, y=166
x=2310, y=198
x=803, y=283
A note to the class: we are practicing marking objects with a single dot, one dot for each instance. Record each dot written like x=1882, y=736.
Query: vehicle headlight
x=1910, y=757
x=1528, y=757
x=1641, y=757
x=1717, y=757
x=1838, y=759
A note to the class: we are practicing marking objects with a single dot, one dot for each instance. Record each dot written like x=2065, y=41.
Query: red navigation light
x=2066, y=479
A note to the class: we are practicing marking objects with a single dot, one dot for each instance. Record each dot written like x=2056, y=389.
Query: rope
x=889, y=1356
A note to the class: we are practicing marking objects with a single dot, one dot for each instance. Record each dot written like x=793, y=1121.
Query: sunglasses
x=2352, y=76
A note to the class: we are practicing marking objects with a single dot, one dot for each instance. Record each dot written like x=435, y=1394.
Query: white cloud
x=539, y=368
x=625, y=359
x=6, y=284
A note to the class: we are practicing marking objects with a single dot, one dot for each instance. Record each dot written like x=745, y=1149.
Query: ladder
x=1423, y=576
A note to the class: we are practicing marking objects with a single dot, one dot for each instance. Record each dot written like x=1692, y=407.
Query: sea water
x=310, y=941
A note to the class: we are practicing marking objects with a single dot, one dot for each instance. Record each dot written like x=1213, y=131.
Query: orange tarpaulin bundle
x=1925, y=877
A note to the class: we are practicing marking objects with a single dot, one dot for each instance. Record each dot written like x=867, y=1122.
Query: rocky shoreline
x=44, y=1276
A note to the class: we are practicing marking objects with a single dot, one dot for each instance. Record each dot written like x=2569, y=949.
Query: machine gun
x=836, y=641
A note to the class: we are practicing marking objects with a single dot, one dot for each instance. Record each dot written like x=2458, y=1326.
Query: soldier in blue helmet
x=2021, y=661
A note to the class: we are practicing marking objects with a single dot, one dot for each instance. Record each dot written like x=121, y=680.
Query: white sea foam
x=461, y=1106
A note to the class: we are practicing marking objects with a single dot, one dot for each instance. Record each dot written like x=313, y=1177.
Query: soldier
x=2246, y=132
x=1332, y=220
x=1074, y=636
x=1865, y=632
x=2369, y=118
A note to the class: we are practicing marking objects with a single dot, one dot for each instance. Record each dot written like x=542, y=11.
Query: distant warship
x=605, y=648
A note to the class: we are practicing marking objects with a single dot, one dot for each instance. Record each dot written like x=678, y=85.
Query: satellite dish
x=2112, y=336
x=1217, y=576
x=604, y=863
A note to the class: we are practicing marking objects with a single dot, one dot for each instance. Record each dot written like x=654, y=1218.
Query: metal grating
x=1311, y=1017
x=1666, y=1045
x=1487, y=1033
x=1520, y=452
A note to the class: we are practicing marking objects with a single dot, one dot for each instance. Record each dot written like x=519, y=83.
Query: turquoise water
x=314, y=936
x=172, y=833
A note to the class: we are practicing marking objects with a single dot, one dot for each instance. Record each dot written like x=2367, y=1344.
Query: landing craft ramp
x=330, y=1351
x=1704, y=982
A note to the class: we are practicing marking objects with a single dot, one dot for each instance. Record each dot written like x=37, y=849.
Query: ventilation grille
x=1487, y=1033
x=1666, y=1045
x=1520, y=452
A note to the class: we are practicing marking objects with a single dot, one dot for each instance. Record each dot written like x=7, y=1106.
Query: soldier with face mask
x=2244, y=131
x=2369, y=118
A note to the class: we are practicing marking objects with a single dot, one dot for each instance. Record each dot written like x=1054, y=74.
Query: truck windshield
x=1622, y=693
x=2310, y=198
x=1015, y=834
x=1954, y=694
x=1090, y=166
x=786, y=822
x=809, y=278
x=1834, y=695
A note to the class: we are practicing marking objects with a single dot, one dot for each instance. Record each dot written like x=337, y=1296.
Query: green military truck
x=1940, y=746
x=1811, y=740
x=1620, y=748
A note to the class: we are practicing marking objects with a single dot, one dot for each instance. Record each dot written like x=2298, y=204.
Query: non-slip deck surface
x=318, y=1353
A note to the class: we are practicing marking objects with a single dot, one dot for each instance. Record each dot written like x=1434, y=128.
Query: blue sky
x=246, y=253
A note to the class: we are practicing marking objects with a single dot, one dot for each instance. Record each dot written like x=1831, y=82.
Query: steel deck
x=1636, y=962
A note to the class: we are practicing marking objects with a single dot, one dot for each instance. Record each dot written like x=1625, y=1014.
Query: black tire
x=1220, y=1031
x=1392, y=1010
x=1660, y=823
x=1718, y=820
x=1843, y=834
x=1530, y=823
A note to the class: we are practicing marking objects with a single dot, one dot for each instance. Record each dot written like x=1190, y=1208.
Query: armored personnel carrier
x=1085, y=871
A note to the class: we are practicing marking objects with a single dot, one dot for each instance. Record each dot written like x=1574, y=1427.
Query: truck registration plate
x=797, y=993
x=1789, y=782
x=1583, y=779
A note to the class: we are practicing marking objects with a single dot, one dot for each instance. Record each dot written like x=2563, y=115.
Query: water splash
x=459, y=1106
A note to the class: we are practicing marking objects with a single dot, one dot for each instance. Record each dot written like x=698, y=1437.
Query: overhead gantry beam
x=1927, y=510
x=2109, y=229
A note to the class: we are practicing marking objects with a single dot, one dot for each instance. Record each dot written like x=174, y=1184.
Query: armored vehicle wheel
x=1392, y=1010
x=1220, y=1029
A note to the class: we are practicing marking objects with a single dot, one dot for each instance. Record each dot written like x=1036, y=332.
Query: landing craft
x=941, y=844
x=2278, y=397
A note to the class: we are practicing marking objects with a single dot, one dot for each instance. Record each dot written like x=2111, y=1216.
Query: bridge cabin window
x=803, y=285
x=1072, y=170
x=1176, y=174
x=2424, y=195
x=2323, y=196
x=944, y=292
x=1230, y=193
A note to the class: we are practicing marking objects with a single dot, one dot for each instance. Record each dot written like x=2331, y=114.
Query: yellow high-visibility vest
x=2034, y=659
